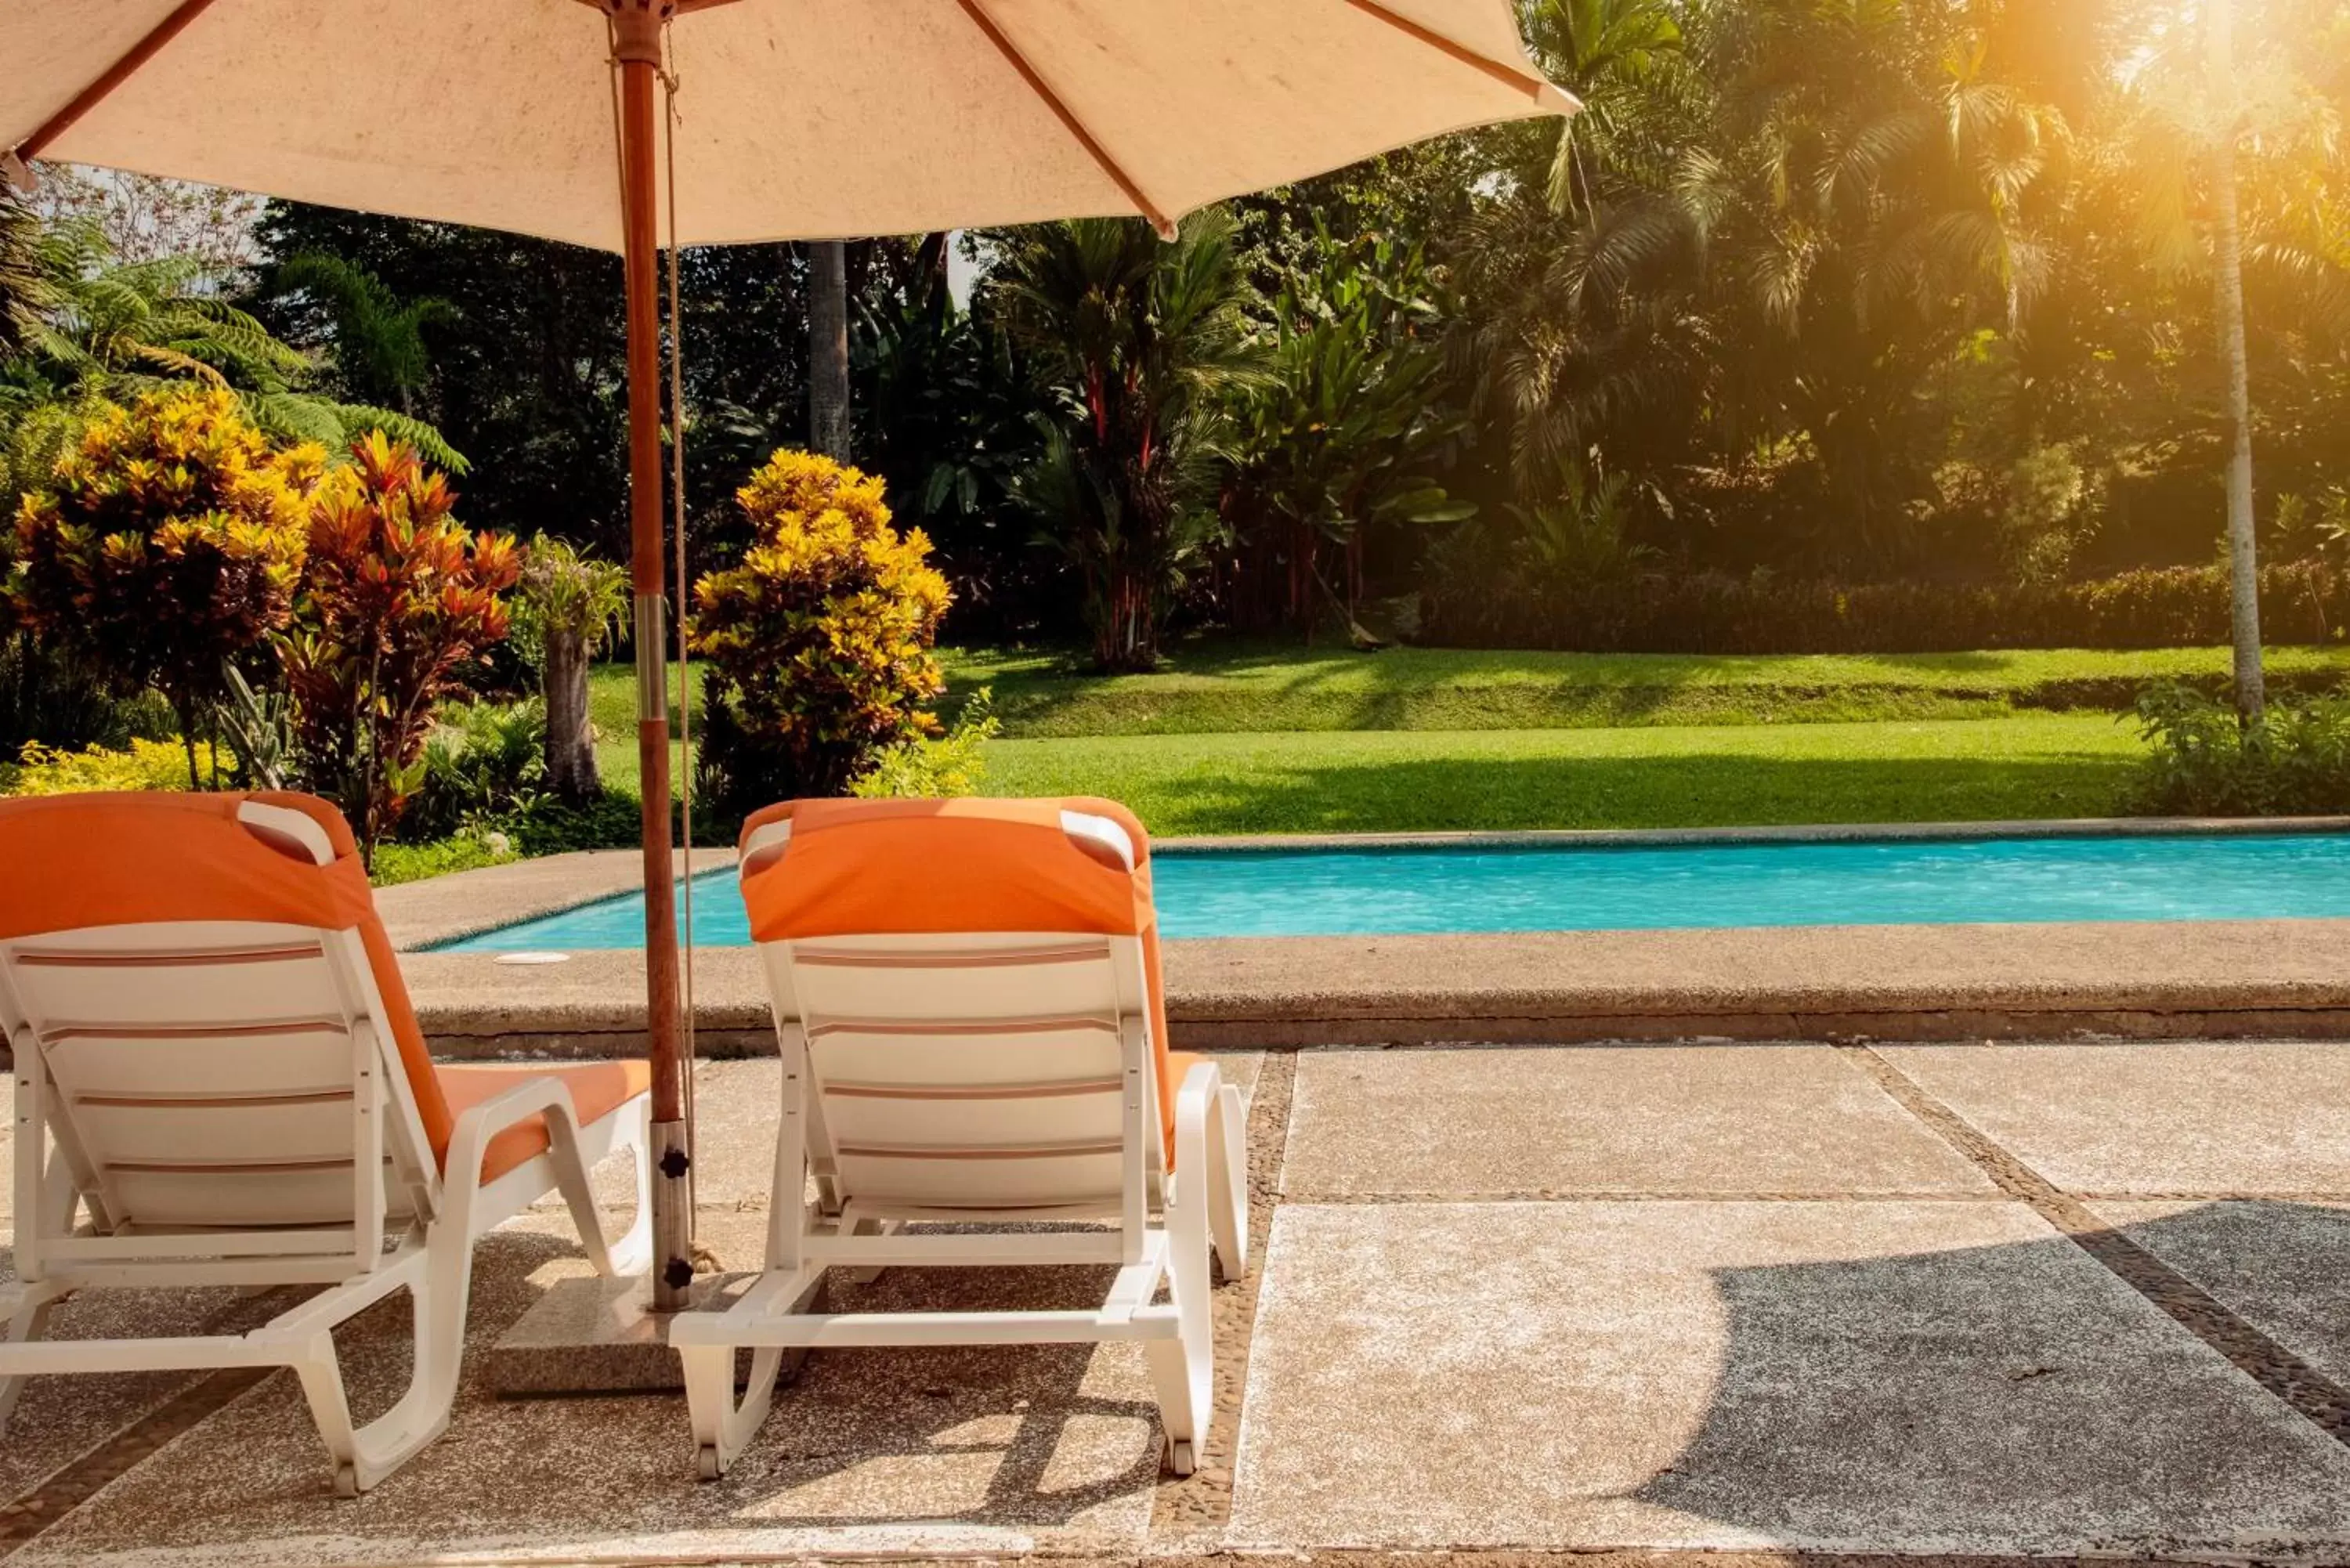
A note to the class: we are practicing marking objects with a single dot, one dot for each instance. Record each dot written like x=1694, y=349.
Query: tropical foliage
x=1349, y=438
x=142, y=764
x=168, y=543
x=2294, y=759
x=820, y=640
x=932, y=767
x=101, y=329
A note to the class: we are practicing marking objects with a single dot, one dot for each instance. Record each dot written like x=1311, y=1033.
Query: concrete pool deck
x=1677, y=1306
x=2243, y=979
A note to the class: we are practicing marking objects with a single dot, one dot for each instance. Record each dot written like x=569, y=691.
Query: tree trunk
x=829, y=348
x=2243, y=563
x=570, y=742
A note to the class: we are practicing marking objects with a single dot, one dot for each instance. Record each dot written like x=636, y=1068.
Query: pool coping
x=2120, y=978
x=1827, y=833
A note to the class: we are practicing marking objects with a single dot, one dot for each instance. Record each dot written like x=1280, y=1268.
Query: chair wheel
x=1180, y=1459
x=705, y=1463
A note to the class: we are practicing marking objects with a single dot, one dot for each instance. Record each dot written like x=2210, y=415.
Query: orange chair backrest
x=886, y=867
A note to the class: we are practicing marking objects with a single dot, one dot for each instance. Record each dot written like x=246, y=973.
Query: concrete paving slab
x=1887, y=1377
x=2284, y=1268
x=995, y=1450
x=58, y=1419
x=2205, y=1118
x=1701, y=1120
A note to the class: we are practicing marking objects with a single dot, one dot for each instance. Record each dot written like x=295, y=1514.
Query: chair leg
x=1228, y=1194
x=866, y=1225
x=723, y=1424
x=632, y=1253
x=1183, y=1368
x=436, y=1301
x=29, y=1321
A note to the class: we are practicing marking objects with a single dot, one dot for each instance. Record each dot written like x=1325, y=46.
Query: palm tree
x=2228, y=282
x=2204, y=110
x=1145, y=345
x=828, y=402
x=1618, y=57
x=109, y=329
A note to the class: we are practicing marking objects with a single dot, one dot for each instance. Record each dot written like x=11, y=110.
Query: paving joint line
x=1187, y=1514
x=80, y=1480
x=2308, y=1391
x=1614, y=1557
x=1618, y=1195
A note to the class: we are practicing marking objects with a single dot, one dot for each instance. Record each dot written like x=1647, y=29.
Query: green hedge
x=2174, y=607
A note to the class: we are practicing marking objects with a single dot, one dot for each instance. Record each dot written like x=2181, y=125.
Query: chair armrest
x=534, y=1095
x=1195, y=1102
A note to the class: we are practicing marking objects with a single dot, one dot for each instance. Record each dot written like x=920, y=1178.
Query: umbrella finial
x=637, y=28
x=13, y=170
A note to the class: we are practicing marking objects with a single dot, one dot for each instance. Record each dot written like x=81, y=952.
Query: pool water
x=1405, y=891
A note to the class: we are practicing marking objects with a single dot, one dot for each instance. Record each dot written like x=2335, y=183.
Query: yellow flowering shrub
x=168, y=542
x=820, y=637
x=51, y=770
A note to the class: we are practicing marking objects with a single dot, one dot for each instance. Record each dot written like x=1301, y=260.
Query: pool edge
x=1826, y=833
x=2152, y=980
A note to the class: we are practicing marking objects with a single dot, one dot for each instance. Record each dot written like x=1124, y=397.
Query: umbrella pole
x=636, y=34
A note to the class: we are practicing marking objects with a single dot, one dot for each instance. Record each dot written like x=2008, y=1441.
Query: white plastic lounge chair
x=215, y=1060
x=966, y=999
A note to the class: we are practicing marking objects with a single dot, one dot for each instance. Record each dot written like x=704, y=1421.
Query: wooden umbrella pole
x=636, y=49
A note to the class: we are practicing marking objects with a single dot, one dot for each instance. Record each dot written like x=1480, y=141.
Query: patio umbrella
x=791, y=119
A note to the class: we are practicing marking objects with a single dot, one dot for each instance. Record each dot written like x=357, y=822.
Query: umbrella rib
x=1525, y=81
x=113, y=76
x=1069, y=121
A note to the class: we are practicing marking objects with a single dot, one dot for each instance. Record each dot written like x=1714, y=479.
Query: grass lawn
x=1227, y=687
x=1242, y=738
x=2028, y=765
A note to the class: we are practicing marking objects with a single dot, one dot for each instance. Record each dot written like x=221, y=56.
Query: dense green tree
x=526, y=364
x=1147, y=349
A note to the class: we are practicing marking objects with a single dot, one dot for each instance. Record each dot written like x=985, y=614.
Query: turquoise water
x=1352, y=892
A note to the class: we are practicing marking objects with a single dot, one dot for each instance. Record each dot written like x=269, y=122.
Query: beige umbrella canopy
x=797, y=118
x=793, y=119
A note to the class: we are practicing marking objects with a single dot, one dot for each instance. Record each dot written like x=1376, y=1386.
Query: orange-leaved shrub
x=398, y=595
x=819, y=639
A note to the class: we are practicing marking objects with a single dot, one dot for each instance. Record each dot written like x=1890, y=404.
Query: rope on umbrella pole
x=684, y=644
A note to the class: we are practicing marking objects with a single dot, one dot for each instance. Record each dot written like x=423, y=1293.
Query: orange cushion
x=597, y=1089
x=1178, y=1067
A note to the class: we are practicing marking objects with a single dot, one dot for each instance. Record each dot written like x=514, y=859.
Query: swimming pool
x=1393, y=891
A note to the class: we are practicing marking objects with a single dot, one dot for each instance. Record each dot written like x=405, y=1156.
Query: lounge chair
x=967, y=1001
x=215, y=1059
